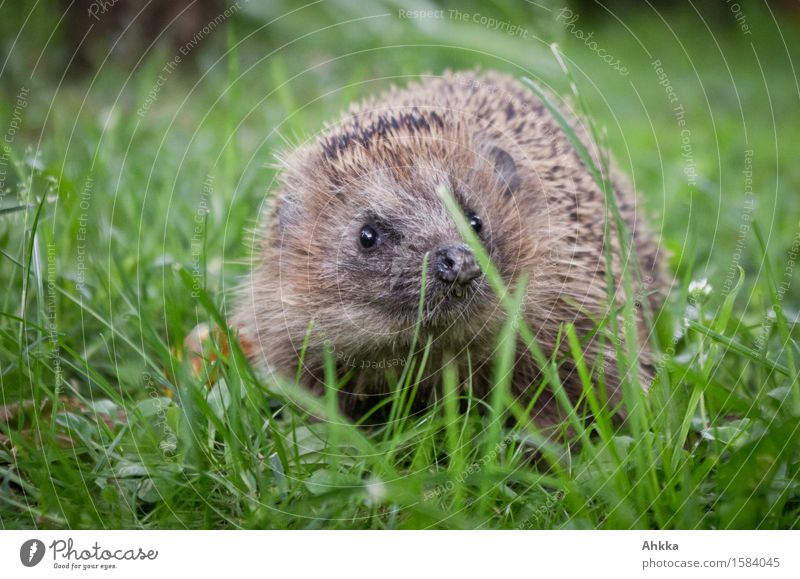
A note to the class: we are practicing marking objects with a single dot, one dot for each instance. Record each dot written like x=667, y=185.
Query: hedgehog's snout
x=456, y=265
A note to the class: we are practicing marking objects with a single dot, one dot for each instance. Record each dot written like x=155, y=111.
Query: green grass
x=110, y=221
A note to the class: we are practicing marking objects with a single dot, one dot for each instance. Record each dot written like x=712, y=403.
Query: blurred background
x=147, y=131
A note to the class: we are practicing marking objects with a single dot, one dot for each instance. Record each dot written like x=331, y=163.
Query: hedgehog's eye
x=475, y=221
x=369, y=238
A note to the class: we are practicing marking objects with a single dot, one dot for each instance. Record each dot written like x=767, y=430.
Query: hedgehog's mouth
x=458, y=291
x=450, y=304
x=454, y=294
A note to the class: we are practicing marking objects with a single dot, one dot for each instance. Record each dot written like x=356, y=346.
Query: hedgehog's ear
x=284, y=211
x=505, y=167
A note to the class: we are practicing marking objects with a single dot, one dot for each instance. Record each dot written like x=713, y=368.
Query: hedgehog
x=358, y=222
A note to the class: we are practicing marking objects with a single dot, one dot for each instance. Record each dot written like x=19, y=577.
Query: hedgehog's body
x=358, y=210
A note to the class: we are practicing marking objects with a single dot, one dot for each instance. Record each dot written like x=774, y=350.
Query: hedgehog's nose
x=456, y=264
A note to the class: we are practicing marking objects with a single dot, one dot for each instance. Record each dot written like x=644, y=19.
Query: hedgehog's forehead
x=387, y=156
x=371, y=128
x=416, y=162
x=414, y=171
x=390, y=191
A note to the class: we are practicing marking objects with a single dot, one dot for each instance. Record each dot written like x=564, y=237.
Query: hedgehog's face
x=376, y=242
x=398, y=261
x=451, y=265
x=394, y=259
